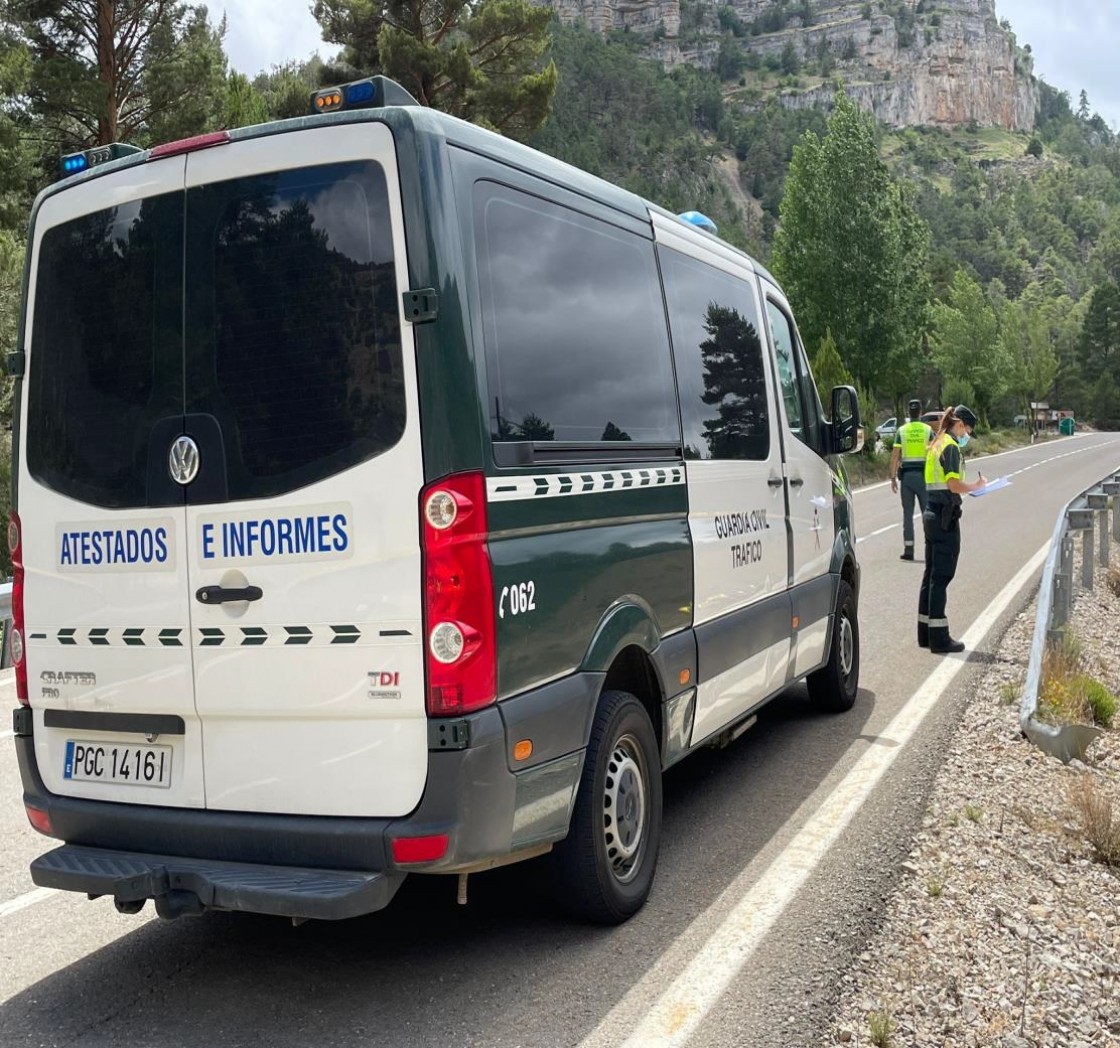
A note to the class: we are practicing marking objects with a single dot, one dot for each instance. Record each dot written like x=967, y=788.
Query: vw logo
x=182, y=462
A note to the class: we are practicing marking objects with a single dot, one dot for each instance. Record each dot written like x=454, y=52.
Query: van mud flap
x=189, y=886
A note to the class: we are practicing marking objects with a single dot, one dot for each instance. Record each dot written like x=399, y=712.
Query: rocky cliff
x=911, y=62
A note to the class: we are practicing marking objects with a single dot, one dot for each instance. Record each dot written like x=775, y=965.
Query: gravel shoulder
x=1004, y=931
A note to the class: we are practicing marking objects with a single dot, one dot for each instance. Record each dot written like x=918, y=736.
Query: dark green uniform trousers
x=912, y=486
x=943, y=550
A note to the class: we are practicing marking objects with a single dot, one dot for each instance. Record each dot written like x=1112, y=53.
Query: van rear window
x=293, y=327
x=106, y=355
x=279, y=319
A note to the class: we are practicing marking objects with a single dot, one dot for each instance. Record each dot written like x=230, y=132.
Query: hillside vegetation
x=1032, y=219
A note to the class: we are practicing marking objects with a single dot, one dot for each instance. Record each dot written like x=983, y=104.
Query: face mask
x=963, y=440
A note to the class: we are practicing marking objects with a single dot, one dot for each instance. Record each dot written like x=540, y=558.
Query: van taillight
x=459, y=627
x=16, y=644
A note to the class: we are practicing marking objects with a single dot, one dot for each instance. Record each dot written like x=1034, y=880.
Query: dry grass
x=1060, y=701
x=1112, y=580
x=881, y=1027
x=1009, y=692
x=1098, y=825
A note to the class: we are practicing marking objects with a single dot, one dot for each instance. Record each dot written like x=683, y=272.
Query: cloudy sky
x=1075, y=42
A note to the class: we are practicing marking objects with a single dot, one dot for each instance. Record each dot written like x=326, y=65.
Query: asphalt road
x=505, y=969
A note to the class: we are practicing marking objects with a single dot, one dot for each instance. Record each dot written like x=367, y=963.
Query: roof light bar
x=700, y=220
x=73, y=163
x=370, y=93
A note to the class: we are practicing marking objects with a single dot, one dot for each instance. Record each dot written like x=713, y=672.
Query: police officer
x=945, y=484
x=908, y=469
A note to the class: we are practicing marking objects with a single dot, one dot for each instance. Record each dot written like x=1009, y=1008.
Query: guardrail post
x=1087, y=558
x=1062, y=605
x=1069, y=575
x=1112, y=489
x=1098, y=503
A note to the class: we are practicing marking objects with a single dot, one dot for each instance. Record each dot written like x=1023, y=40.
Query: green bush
x=1101, y=701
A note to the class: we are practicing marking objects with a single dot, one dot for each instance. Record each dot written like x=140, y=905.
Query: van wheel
x=832, y=688
x=603, y=870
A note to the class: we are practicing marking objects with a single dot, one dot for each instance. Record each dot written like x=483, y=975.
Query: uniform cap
x=915, y=407
x=965, y=414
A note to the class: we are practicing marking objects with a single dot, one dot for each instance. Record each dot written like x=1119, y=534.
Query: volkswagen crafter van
x=392, y=498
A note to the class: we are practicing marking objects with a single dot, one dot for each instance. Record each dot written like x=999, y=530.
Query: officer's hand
x=894, y=485
x=982, y=481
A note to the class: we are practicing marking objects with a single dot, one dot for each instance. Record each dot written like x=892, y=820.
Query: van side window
x=574, y=326
x=785, y=352
x=718, y=353
x=810, y=399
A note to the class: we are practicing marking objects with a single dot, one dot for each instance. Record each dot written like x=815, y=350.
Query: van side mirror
x=847, y=433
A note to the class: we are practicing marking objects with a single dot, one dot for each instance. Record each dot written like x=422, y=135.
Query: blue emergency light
x=73, y=163
x=701, y=221
x=370, y=93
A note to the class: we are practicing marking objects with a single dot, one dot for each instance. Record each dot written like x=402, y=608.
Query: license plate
x=117, y=763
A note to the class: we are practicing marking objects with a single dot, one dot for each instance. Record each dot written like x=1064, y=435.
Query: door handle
x=775, y=482
x=796, y=482
x=222, y=594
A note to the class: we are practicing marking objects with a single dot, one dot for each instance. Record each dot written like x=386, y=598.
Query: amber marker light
x=523, y=750
x=686, y=676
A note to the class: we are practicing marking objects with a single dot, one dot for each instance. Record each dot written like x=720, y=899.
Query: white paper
x=992, y=485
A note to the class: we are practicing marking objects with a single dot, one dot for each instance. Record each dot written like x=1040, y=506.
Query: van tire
x=597, y=874
x=832, y=688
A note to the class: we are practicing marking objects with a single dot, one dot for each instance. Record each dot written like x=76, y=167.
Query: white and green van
x=392, y=498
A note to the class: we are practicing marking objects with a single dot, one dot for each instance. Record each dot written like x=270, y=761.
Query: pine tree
x=484, y=61
x=121, y=70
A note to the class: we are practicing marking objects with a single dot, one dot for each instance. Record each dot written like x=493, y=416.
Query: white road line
x=21, y=902
x=757, y=902
x=881, y=531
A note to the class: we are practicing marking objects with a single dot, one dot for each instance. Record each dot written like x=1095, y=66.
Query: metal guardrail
x=1055, y=605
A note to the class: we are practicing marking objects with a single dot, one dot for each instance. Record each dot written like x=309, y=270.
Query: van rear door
x=303, y=545
x=103, y=525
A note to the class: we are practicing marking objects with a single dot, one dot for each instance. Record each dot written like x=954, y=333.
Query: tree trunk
x=106, y=72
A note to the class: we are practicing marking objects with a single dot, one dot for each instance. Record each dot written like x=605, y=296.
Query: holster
x=950, y=514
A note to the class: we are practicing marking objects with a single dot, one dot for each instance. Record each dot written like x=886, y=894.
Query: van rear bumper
x=188, y=886
x=488, y=810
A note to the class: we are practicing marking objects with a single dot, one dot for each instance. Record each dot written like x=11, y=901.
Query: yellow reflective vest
x=913, y=439
x=939, y=473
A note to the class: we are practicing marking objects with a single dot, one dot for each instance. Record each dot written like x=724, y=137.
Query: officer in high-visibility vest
x=908, y=471
x=945, y=484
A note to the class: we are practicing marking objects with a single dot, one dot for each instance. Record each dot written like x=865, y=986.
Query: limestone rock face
x=604, y=15
x=943, y=64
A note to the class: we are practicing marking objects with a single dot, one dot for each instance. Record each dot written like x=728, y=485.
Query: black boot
x=908, y=555
x=947, y=646
x=923, y=635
